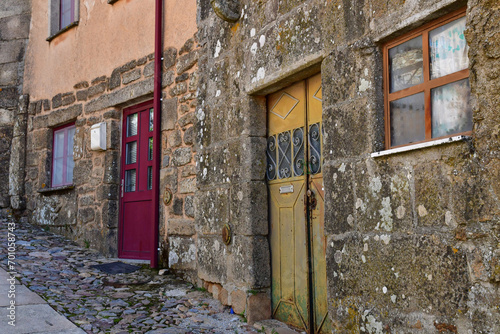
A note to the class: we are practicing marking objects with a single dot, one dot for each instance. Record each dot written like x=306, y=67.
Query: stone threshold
x=129, y=261
x=273, y=326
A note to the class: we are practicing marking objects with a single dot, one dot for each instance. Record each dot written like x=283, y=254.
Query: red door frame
x=141, y=166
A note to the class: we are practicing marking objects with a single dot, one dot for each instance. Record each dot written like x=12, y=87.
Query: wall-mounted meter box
x=98, y=137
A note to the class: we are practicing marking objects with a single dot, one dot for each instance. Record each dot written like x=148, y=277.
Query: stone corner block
x=169, y=114
x=258, y=308
x=238, y=301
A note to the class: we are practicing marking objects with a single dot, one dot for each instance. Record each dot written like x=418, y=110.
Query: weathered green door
x=295, y=181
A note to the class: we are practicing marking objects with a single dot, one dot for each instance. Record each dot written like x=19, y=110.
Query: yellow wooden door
x=296, y=206
x=316, y=205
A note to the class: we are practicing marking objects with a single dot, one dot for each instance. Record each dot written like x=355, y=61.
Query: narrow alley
x=140, y=302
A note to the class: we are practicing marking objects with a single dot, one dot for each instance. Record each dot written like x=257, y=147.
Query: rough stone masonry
x=14, y=31
x=413, y=242
x=412, y=238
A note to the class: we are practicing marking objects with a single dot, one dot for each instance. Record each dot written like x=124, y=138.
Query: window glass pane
x=70, y=164
x=131, y=153
x=298, y=152
x=130, y=180
x=151, y=119
x=57, y=172
x=271, y=158
x=150, y=177
x=59, y=144
x=451, y=110
x=132, y=125
x=284, y=155
x=66, y=13
x=315, y=148
x=406, y=65
x=150, y=149
x=71, y=135
x=408, y=120
x=448, y=49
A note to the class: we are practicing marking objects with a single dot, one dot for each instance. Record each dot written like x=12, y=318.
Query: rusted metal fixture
x=167, y=196
x=226, y=234
x=228, y=10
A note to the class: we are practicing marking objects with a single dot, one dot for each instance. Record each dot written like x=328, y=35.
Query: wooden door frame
x=138, y=107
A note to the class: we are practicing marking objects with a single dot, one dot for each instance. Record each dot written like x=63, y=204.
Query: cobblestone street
x=141, y=302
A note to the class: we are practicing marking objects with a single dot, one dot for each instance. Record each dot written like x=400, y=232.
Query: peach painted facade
x=88, y=74
x=106, y=36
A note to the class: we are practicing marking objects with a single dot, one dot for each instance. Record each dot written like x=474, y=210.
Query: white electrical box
x=98, y=137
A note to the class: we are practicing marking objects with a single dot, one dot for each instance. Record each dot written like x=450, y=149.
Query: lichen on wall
x=407, y=234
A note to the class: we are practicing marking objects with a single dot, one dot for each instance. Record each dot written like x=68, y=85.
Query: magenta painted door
x=136, y=194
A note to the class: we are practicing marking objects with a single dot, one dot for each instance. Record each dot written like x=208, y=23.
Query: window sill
x=63, y=30
x=419, y=146
x=56, y=189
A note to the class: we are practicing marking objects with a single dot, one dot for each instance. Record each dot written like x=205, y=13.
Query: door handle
x=122, y=187
x=312, y=199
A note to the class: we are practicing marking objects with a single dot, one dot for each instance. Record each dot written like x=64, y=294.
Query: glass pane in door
x=151, y=119
x=132, y=123
x=130, y=180
x=131, y=153
x=150, y=177
x=150, y=149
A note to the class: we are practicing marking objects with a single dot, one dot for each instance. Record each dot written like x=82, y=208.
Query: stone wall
x=413, y=238
x=87, y=212
x=15, y=19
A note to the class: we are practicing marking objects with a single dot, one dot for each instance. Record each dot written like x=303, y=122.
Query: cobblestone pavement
x=140, y=302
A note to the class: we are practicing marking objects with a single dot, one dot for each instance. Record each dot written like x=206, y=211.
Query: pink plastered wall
x=106, y=36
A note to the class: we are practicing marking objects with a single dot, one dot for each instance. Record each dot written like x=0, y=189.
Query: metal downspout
x=157, y=131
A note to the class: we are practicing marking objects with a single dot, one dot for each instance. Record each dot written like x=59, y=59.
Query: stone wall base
x=254, y=305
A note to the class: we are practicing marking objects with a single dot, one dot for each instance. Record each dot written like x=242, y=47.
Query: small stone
x=40, y=254
x=182, y=156
x=182, y=308
x=106, y=314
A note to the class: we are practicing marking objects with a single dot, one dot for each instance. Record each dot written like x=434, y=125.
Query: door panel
x=136, y=218
x=294, y=156
x=135, y=227
x=289, y=264
x=322, y=322
x=286, y=155
x=287, y=109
